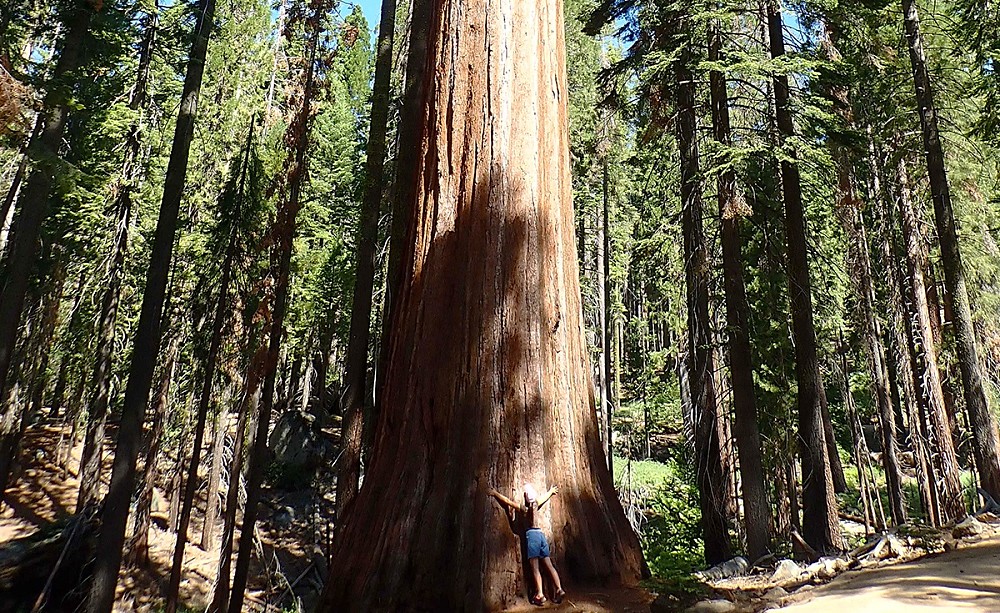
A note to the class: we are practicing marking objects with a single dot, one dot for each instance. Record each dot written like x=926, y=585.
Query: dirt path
x=963, y=580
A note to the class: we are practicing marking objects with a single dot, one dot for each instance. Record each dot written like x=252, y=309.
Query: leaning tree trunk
x=490, y=287
x=944, y=459
x=34, y=197
x=138, y=547
x=148, y=331
x=283, y=234
x=985, y=445
x=712, y=486
x=212, y=497
x=820, y=523
x=356, y=375
x=756, y=513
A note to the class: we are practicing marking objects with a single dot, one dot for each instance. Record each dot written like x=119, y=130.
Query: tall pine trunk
x=34, y=206
x=490, y=287
x=756, y=513
x=711, y=476
x=820, y=523
x=283, y=235
x=356, y=375
x=985, y=445
x=945, y=461
x=849, y=210
x=148, y=330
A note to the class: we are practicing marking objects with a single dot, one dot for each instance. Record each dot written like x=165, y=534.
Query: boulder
x=775, y=593
x=712, y=606
x=731, y=568
x=294, y=441
x=968, y=527
x=787, y=569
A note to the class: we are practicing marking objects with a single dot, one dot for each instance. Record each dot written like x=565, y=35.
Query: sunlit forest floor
x=290, y=543
x=966, y=579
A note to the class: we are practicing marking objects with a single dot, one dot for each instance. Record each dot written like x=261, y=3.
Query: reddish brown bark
x=490, y=289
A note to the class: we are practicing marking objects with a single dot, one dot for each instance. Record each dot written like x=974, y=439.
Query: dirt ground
x=46, y=492
x=962, y=580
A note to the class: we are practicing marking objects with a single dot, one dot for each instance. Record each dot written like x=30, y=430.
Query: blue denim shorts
x=538, y=547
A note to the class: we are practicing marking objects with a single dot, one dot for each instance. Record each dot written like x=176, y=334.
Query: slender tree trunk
x=138, y=548
x=820, y=522
x=355, y=377
x=945, y=462
x=756, y=514
x=934, y=309
x=712, y=487
x=212, y=499
x=90, y=460
x=222, y=307
x=985, y=445
x=284, y=233
x=602, y=370
x=147, y=338
x=34, y=198
x=248, y=406
x=491, y=287
x=830, y=438
x=607, y=319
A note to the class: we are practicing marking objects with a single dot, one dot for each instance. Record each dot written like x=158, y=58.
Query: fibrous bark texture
x=486, y=380
x=985, y=444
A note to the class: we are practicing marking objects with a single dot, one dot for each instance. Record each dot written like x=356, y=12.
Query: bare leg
x=538, y=577
x=553, y=573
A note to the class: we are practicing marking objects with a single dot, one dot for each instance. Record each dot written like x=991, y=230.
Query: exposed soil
x=963, y=580
x=292, y=544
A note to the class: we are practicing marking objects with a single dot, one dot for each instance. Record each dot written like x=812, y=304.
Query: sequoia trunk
x=489, y=286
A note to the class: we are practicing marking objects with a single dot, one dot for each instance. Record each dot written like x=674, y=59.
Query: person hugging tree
x=537, y=546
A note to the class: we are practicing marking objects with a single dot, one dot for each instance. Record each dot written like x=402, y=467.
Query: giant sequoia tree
x=486, y=373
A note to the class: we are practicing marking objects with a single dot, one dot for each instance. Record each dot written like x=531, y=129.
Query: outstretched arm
x=504, y=500
x=549, y=494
